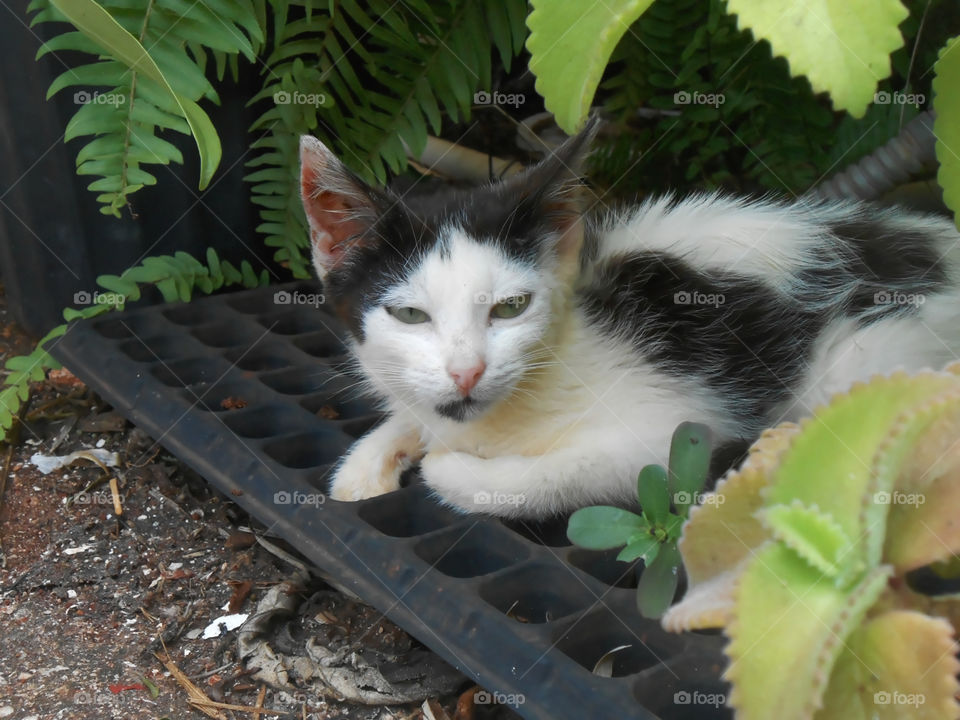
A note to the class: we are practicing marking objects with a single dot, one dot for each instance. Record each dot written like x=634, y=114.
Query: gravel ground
x=90, y=599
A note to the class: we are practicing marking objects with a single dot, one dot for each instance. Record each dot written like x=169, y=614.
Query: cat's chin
x=462, y=410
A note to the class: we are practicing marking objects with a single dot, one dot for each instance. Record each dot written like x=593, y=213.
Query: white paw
x=472, y=484
x=373, y=467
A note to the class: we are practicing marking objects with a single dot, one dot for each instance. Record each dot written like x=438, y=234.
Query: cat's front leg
x=526, y=486
x=375, y=462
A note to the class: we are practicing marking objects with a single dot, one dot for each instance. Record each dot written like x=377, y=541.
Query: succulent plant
x=653, y=535
x=803, y=558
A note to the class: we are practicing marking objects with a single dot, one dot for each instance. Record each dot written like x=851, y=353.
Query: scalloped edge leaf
x=570, y=45
x=946, y=124
x=832, y=48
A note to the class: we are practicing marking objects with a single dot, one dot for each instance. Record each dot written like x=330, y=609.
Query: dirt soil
x=91, y=600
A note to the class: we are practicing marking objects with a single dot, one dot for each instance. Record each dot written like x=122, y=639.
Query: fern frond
x=770, y=133
x=371, y=80
x=130, y=110
x=176, y=276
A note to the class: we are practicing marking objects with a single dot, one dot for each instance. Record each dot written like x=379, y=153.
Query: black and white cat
x=533, y=355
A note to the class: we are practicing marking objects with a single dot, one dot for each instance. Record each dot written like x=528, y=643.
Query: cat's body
x=618, y=326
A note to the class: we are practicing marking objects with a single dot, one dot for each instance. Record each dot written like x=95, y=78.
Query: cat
x=534, y=353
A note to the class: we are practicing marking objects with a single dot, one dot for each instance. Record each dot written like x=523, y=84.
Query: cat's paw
x=472, y=484
x=374, y=466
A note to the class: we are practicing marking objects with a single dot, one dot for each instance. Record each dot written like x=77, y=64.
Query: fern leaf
x=389, y=74
x=151, y=80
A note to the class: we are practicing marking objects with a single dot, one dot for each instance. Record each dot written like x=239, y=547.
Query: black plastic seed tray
x=249, y=389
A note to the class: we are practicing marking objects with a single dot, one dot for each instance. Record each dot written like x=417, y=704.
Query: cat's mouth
x=461, y=410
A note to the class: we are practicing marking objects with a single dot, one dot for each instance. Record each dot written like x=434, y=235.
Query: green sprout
x=653, y=535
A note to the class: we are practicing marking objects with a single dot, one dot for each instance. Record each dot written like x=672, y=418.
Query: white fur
x=411, y=363
x=761, y=239
x=570, y=415
x=844, y=354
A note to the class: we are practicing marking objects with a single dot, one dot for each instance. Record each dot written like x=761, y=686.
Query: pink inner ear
x=332, y=231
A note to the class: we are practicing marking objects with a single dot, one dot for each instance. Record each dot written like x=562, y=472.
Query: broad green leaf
x=21, y=362
x=901, y=664
x=791, y=622
x=842, y=46
x=725, y=529
x=653, y=494
x=812, y=534
x=646, y=547
x=674, y=527
x=658, y=582
x=922, y=527
x=690, y=450
x=830, y=465
x=603, y=527
x=570, y=44
x=97, y=24
x=946, y=125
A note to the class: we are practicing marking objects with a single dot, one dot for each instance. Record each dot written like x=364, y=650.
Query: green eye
x=409, y=315
x=511, y=307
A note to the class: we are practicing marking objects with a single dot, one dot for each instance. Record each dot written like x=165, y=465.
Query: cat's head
x=449, y=302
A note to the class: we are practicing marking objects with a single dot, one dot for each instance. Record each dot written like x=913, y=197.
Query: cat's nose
x=466, y=380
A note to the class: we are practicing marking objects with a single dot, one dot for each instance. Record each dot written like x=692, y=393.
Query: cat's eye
x=511, y=307
x=409, y=315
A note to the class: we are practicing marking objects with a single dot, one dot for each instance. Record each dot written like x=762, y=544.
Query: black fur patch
x=733, y=332
x=741, y=338
x=521, y=216
x=458, y=410
x=891, y=265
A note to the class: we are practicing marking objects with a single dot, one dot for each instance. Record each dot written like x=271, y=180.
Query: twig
x=283, y=555
x=207, y=674
x=201, y=702
x=115, y=491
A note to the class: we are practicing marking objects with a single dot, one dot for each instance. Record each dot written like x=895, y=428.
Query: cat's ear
x=339, y=207
x=553, y=188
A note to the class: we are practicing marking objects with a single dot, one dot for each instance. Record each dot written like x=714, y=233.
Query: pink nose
x=466, y=380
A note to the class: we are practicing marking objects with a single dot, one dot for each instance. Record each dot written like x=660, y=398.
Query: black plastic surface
x=245, y=391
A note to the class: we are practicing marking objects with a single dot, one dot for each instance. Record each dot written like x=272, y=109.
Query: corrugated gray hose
x=908, y=154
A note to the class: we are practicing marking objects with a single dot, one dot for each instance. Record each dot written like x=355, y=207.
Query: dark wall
x=53, y=239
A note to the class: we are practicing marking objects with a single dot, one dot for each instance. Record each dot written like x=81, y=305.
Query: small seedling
x=652, y=536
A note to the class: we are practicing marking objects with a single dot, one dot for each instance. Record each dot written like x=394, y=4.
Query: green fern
x=125, y=120
x=374, y=79
x=176, y=276
x=771, y=133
